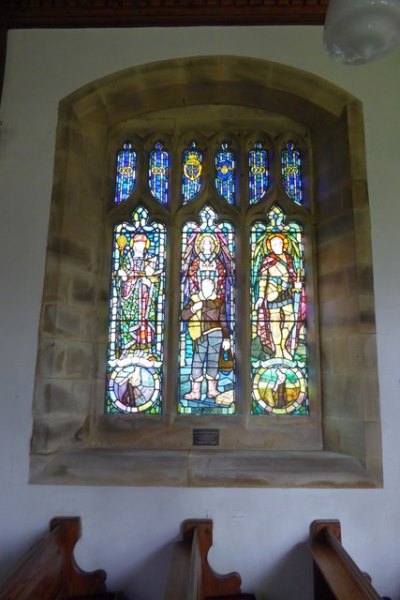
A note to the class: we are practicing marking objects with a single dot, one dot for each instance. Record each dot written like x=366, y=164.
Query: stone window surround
x=72, y=441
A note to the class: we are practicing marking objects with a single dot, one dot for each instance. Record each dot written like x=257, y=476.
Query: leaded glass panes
x=159, y=173
x=136, y=330
x=126, y=173
x=206, y=328
x=207, y=318
x=192, y=171
x=278, y=311
x=225, y=173
x=291, y=173
x=258, y=173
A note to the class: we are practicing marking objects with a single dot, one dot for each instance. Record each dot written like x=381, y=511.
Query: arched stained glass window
x=126, y=173
x=278, y=327
x=136, y=330
x=276, y=359
x=258, y=173
x=225, y=173
x=192, y=171
x=159, y=173
x=291, y=173
x=207, y=317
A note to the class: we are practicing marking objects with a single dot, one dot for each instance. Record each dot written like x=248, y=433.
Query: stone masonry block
x=79, y=360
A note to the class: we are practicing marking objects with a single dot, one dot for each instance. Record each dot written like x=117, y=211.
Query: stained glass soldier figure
x=278, y=284
x=208, y=329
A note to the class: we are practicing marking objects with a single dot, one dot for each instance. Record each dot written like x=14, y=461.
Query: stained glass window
x=136, y=330
x=225, y=173
x=207, y=317
x=159, y=173
x=206, y=304
x=126, y=173
x=278, y=325
x=258, y=173
x=291, y=173
x=192, y=170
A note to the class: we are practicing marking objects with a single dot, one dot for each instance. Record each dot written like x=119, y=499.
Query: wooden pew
x=336, y=575
x=191, y=577
x=48, y=570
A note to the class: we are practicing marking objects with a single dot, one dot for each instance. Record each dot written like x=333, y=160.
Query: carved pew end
x=191, y=576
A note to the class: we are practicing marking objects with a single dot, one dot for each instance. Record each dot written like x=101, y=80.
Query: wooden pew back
x=191, y=577
x=336, y=575
x=48, y=570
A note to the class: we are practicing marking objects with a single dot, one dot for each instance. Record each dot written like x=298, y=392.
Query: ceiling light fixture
x=360, y=31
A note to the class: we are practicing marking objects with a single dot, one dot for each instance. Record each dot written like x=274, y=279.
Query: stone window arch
x=73, y=440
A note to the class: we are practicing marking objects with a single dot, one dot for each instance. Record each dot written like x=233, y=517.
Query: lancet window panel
x=207, y=317
x=225, y=173
x=258, y=173
x=192, y=172
x=291, y=164
x=279, y=362
x=125, y=179
x=159, y=175
x=136, y=317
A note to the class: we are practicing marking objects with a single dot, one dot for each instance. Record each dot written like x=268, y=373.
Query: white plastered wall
x=128, y=531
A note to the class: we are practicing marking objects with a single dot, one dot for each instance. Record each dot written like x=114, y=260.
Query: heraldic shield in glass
x=278, y=318
x=206, y=354
x=137, y=296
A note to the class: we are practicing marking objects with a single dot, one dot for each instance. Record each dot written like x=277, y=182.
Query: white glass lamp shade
x=359, y=31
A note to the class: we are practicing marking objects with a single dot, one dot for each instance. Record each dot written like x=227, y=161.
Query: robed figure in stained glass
x=139, y=283
x=136, y=331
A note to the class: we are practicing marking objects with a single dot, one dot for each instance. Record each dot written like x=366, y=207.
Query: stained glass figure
x=291, y=173
x=258, y=173
x=159, y=173
x=225, y=173
x=136, y=329
x=192, y=170
x=126, y=173
x=278, y=317
x=207, y=376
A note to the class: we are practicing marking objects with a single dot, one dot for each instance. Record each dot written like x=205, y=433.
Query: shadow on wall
x=291, y=579
x=148, y=579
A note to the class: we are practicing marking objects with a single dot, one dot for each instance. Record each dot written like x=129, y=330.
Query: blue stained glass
x=258, y=173
x=191, y=177
x=291, y=173
x=126, y=173
x=159, y=173
x=225, y=173
x=136, y=317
